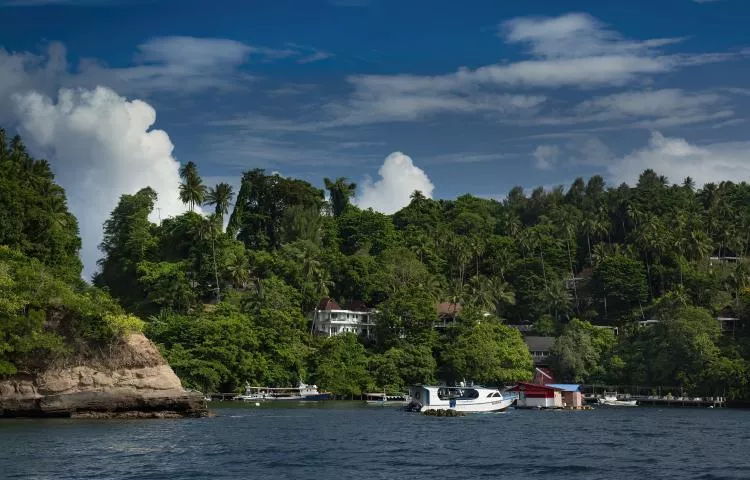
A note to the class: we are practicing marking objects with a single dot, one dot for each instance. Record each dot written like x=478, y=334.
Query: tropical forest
x=644, y=284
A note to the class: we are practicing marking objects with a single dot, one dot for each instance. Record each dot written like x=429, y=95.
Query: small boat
x=303, y=392
x=473, y=399
x=611, y=399
x=384, y=399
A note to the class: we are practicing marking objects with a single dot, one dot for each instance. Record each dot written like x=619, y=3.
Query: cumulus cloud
x=399, y=177
x=546, y=156
x=102, y=146
x=676, y=158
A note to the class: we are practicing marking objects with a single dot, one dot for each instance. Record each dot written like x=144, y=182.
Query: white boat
x=611, y=399
x=473, y=399
x=384, y=399
x=303, y=392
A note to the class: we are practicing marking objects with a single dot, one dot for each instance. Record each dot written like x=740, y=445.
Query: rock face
x=133, y=380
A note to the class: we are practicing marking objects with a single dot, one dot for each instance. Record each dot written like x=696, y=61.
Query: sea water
x=341, y=440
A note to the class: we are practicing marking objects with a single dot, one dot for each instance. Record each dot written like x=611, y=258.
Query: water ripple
x=340, y=440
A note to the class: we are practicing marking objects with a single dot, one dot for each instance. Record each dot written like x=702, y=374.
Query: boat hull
x=494, y=406
x=619, y=403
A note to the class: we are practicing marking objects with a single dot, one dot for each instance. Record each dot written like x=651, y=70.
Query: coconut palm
x=207, y=230
x=557, y=298
x=220, y=197
x=192, y=190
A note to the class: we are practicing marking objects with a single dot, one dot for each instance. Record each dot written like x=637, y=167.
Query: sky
x=440, y=96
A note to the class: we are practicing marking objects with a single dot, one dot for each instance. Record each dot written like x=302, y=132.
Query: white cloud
x=101, y=146
x=676, y=158
x=386, y=99
x=655, y=108
x=546, y=156
x=574, y=35
x=589, y=151
x=178, y=65
x=174, y=65
x=651, y=103
x=569, y=51
x=399, y=177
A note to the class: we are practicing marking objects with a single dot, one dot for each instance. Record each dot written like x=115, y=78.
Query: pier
x=652, y=396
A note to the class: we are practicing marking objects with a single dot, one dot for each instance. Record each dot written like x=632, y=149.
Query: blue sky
x=478, y=95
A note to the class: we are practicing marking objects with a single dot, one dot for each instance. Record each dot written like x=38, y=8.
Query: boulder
x=132, y=380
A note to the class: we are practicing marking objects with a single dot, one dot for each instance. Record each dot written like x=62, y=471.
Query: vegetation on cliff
x=47, y=314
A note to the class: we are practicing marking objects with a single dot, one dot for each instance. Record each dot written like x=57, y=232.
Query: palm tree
x=238, y=270
x=557, y=298
x=478, y=247
x=456, y=292
x=207, y=229
x=220, y=197
x=192, y=190
x=340, y=191
x=433, y=287
x=568, y=220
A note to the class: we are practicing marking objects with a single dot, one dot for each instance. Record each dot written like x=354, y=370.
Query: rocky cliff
x=130, y=380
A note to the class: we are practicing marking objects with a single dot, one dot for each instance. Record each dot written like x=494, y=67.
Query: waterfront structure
x=531, y=395
x=330, y=319
x=571, y=394
x=303, y=392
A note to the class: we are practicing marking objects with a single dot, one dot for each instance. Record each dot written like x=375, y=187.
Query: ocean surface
x=342, y=440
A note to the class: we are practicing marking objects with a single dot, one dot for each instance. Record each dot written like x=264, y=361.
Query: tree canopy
x=578, y=263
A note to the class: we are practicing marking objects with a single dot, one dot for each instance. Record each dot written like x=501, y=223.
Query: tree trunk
x=572, y=275
x=216, y=270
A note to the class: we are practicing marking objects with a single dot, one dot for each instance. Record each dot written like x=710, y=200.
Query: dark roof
x=539, y=344
x=356, y=306
x=328, y=303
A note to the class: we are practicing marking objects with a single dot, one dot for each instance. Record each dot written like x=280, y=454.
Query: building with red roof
x=330, y=319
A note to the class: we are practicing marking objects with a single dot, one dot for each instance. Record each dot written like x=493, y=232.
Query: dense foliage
x=47, y=314
x=231, y=306
x=562, y=263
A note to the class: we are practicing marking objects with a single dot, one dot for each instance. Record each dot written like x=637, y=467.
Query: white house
x=330, y=319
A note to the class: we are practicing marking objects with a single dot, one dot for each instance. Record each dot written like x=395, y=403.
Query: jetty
x=651, y=396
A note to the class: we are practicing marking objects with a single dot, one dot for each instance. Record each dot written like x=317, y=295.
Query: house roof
x=448, y=308
x=533, y=386
x=327, y=303
x=565, y=387
x=539, y=344
x=356, y=306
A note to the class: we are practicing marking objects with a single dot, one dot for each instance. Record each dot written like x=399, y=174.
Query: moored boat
x=472, y=399
x=611, y=399
x=385, y=399
x=303, y=392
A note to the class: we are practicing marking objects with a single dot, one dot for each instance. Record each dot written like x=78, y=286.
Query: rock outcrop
x=132, y=381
